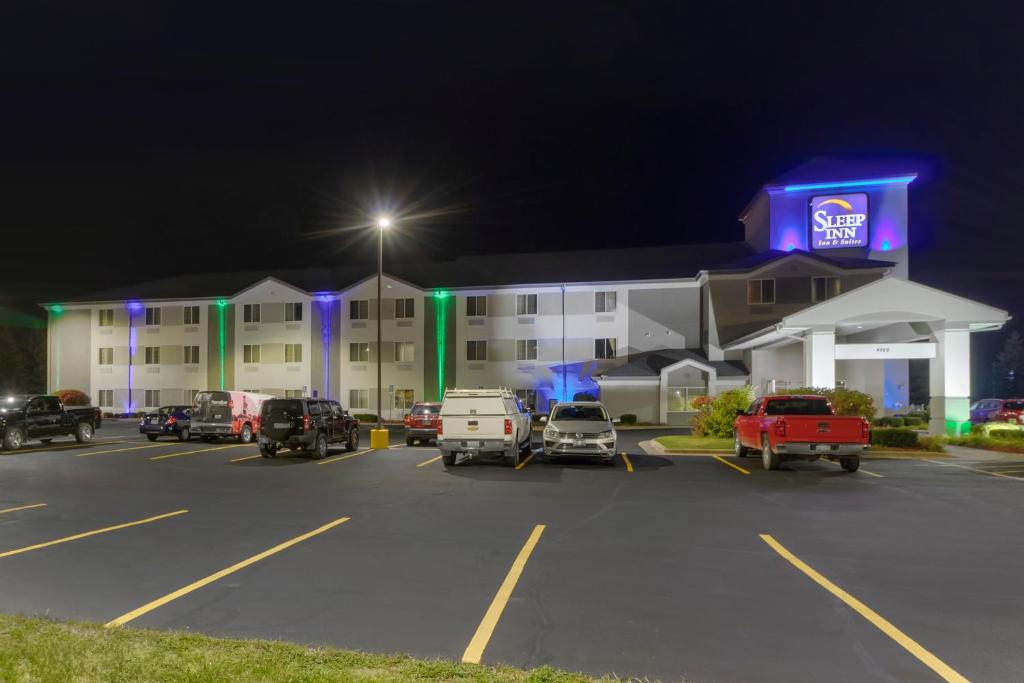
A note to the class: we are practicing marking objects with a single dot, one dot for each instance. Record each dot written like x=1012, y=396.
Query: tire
x=527, y=447
x=448, y=459
x=14, y=439
x=516, y=458
x=184, y=434
x=740, y=450
x=268, y=451
x=409, y=441
x=320, y=447
x=151, y=437
x=353, y=440
x=850, y=464
x=84, y=432
x=769, y=459
x=245, y=436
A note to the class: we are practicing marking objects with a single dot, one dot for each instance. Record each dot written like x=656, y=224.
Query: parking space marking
x=427, y=462
x=972, y=469
x=475, y=649
x=343, y=457
x=246, y=457
x=882, y=624
x=195, y=585
x=873, y=474
x=122, y=450
x=200, y=450
x=526, y=460
x=86, y=534
x=24, y=507
x=62, y=448
x=625, y=459
x=726, y=462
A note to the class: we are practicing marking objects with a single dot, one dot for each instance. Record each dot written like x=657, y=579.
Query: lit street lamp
x=383, y=223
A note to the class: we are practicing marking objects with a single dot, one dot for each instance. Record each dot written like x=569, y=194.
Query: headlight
x=550, y=431
x=606, y=435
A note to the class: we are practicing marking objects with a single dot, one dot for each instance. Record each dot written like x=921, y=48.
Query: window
x=106, y=398
x=190, y=396
x=604, y=302
x=152, y=358
x=251, y=313
x=526, y=349
x=528, y=397
x=191, y=315
x=152, y=398
x=404, y=399
x=293, y=393
x=191, y=355
x=106, y=317
x=359, y=352
x=293, y=313
x=760, y=291
x=359, y=398
x=251, y=353
x=293, y=353
x=359, y=309
x=405, y=352
x=404, y=308
x=476, y=350
x=106, y=356
x=604, y=348
x=476, y=306
x=526, y=304
x=824, y=288
x=152, y=316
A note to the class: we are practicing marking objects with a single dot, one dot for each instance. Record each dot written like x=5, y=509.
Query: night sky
x=164, y=138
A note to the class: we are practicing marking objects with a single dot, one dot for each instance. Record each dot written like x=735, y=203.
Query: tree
x=1008, y=367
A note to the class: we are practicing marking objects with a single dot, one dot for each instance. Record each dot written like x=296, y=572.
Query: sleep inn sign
x=839, y=221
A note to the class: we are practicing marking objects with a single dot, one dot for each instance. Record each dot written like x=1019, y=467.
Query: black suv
x=305, y=424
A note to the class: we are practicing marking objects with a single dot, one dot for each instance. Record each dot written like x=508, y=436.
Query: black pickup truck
x=44, y=417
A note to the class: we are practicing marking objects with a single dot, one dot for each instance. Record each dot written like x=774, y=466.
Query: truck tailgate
x=824, y=429
x=473, y=426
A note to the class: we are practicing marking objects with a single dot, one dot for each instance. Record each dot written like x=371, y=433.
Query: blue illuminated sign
x=839, y=221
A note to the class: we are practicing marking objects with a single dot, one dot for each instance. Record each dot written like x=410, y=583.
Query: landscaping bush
x=998, y=430
x=919, y=414
x=844, y=401
x=72, y=397
x=935, y=444
x=979, y=440
x=365, y=417
x=716, y=414
x=627, y=419
x=911, y=421
x=889, y=422
x=894, y=437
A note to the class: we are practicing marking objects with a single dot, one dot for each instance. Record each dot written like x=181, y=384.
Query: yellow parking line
x=86, y=534
x=344, y=457
x=248, y=457
x=121, y=450
x=726, y=462
x=523, y=463
x=62, y=448
x=625, y=459
x=886, y=627
x=195, y=585
x=201, y=450
x=475, y=649
x=23, y=507
x=427, y=462
x=972, y=469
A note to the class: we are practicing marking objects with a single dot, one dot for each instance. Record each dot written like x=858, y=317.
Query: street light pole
x=383, y=222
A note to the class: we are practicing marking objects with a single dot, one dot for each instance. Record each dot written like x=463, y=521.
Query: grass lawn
x=36, y=649
x=687, y=442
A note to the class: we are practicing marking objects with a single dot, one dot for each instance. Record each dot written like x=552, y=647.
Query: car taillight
x=865, y=429
x=171, y=420
x=780, y=428
x=508, y=426
x=305, y=423
x=439, y=428
x=408, y=420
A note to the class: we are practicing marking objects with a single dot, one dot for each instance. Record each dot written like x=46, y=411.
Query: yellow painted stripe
x=61, y=448
x=200, y=450
x=195, y=585
x=427, y=462
x=625, y=459
x=886, y=627
x=23, y=507
x=726, y=462
x=972, y=469
x=86, y=534
x=122, y=450
x=247, y=457
x=523, y=463
x=344, y=457
x=475, y=649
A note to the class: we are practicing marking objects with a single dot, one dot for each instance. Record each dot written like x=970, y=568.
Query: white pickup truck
x=482, y=423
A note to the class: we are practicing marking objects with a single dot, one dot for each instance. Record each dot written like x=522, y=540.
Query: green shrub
x=931, y=443
x=716, y=415
x=844, y=401
x=894, y=437
x=889, y=422
x=911, y=421
x=365, y=417
x=978, y=440
x=627, y=419
x=998, y=430
x=919, y=414
x=72, y=397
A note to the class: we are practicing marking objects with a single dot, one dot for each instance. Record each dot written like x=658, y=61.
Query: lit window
x=106, y=317
x=152, y=355
x=293, y=353
x=476, y=306
x=106, y=356
x=405, y=308
x=293, y=393
x=152, y=316
x=526, y=349
x=293, y=312
x=251, y=353
x=359, y=309
x=251, y=313
x=405, y=352
x=359, y=352
x=404, y=399
x=526, y=304
x=604, y=302
x=760, y=291
x=476, y=349
x=824, y=288
x=604, y=348
x=106, y=398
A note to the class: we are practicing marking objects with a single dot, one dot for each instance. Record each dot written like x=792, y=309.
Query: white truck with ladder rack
x=483, y=423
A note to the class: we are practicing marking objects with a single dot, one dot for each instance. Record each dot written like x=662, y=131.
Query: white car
x=580, y=428
x=483, y=423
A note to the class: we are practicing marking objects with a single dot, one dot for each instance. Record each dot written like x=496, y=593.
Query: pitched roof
x=651, y=363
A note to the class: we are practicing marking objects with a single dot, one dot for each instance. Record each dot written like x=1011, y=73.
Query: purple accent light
x=325, y=303
x=791, y=239
x=133, y=307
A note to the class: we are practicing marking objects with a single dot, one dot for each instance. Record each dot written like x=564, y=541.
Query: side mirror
x=543, y=418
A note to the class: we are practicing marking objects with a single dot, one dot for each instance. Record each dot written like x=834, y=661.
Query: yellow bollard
x=379, y=438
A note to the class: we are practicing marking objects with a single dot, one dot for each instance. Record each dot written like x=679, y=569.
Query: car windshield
x=798, y=406
x=587, y=413
x=1013, y=405
x=426, y=410
x=283, y=409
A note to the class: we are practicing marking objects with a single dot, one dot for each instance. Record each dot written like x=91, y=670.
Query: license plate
x=281, y=425
x=579, y=442
x=820, y=447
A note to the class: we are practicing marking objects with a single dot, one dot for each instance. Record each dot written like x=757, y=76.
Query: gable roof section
x=651, y=363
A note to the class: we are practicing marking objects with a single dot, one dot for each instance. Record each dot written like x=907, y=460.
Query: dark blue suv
x=167, y=421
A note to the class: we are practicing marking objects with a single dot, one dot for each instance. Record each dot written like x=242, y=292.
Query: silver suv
x=580, y=428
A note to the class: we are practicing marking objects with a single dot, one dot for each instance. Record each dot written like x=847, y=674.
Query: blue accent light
x=886, y=246
x=849, y=183
x=790, y=247
x=325, y=302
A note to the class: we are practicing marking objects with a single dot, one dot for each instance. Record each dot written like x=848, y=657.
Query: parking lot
x=689, y=568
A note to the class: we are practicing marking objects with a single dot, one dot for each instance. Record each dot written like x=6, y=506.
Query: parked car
x=305, y=424
x=167, y=421
x=421, y=422
x=998, y=410
x=483, y=423
x=580, y=428
x=227, y=414
x=26, y=417
x=800, y=428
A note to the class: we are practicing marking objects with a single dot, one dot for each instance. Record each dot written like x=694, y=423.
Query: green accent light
x=221, y=305
x=440, y=319
x=57, y=310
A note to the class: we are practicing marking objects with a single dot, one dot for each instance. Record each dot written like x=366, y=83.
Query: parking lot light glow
x=383, y=222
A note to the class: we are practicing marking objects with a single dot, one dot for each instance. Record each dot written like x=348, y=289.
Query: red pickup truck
x=800, y=428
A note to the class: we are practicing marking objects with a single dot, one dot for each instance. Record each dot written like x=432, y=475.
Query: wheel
x=516, y=458
x=353, y=440
x=45, y=442
x=268, y=451
x=14, y=439
x=320, y=447
x=84, y=432
x=527, y=447
x=409, y=441
x=740, y=450
x=245, y=436
x=448, y=459
x=184, y=434
x=769, y=458
x=850, y=464
x=151, y=437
